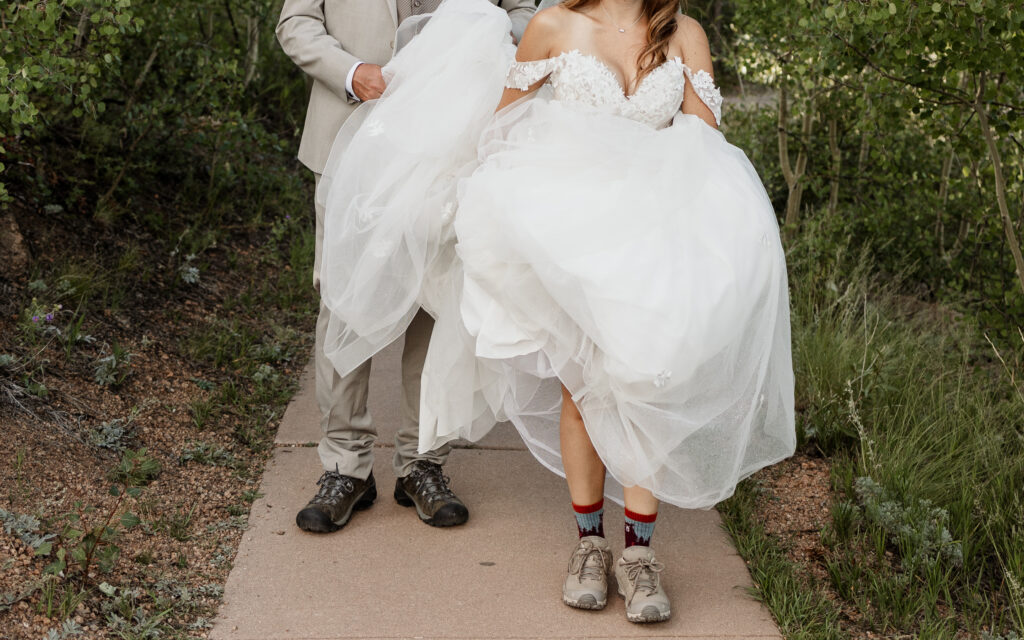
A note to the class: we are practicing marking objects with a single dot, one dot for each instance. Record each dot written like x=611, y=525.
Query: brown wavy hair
x=661, y=26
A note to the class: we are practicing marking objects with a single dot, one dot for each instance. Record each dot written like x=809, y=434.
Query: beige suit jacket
x=326, y=37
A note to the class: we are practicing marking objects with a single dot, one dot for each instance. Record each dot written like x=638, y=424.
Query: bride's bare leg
x=584, y=470
x=640, y=500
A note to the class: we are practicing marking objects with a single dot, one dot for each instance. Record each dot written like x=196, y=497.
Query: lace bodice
x=581, y=79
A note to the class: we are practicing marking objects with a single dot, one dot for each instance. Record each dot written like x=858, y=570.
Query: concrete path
x=387, y=575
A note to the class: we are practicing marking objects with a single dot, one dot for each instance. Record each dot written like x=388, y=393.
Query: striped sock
x=590, y=518
x=639, y=528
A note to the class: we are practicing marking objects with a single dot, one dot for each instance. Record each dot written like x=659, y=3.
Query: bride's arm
x=529, y=72
x=701, y=77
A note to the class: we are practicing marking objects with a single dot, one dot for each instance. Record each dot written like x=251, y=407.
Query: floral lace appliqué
x=704, y=86
x=585, y=80
x=523, y=74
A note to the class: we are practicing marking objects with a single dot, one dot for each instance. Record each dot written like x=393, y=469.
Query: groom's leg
x=348, y=433
x=421, y=482
x=346, y=448
x=414, y=354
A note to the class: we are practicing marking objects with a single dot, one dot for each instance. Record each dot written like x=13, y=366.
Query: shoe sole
x=650, y=613
x=315, y=525
x=403, y=499
x=588, y=602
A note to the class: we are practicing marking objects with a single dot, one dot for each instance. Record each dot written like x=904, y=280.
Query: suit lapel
x=393, y=8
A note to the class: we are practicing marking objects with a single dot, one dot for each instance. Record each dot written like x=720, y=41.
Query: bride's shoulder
x=551, y=20
x=543, y=33
x=692, y=42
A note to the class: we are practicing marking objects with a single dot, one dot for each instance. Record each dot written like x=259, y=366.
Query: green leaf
x=44, y=549
x=129, y=520
x=108, y=589
x=55, y=567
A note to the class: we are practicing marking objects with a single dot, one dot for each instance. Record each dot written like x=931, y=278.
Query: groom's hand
x=368, y=82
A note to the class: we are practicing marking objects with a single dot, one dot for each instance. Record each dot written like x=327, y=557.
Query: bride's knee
x=570, y=413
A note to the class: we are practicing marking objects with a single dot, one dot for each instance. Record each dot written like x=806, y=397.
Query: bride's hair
x=661, y=26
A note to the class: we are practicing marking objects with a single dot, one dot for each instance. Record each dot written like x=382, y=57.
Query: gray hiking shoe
x=639, y=580
x=335, y=500
x=426, y=488
x=586, y=586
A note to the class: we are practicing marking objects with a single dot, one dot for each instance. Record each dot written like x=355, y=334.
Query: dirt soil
x=193, y=513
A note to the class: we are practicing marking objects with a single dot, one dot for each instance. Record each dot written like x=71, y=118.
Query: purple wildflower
x=49, y=317
x=35, y=318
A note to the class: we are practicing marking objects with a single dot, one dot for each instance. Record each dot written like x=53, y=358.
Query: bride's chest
x=583, y=80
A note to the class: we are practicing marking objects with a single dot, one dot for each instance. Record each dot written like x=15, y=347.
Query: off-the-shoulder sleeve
x=704, y=87
x=523, y=74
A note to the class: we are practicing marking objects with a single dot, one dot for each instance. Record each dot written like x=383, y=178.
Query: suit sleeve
x=520, y=11
x=302, y=32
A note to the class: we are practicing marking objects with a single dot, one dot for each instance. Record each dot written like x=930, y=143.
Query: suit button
x=416, y=3
x=392, y=44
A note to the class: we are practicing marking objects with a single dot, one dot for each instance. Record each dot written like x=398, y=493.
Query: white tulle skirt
x=640, y=268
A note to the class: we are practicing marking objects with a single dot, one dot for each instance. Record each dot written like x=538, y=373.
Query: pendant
x=622, y=31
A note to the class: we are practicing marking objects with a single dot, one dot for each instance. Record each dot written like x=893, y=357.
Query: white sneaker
x=639, y=582
x=586, y=586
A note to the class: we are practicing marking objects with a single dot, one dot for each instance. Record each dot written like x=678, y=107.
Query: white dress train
x=581, y=237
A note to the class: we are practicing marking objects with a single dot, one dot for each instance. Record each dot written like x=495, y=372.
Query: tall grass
x=923, y=418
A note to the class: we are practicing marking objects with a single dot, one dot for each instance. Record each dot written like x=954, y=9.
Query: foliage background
x=890, y=137
x=109, y=105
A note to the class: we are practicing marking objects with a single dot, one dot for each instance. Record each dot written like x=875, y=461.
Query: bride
x=604, y=269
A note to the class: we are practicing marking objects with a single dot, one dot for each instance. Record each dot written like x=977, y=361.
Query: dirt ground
x=205, y=417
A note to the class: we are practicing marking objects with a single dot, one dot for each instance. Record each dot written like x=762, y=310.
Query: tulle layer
x=392, y=173
x=640, y=268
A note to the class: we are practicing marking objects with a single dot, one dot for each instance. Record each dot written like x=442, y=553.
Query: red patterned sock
x=639, y=528
x=590, y=518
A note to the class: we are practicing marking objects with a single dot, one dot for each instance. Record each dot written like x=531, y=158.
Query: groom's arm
x=302, y=32
x=520, y=12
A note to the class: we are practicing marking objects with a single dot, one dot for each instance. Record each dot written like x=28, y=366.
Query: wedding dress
x=580, y=236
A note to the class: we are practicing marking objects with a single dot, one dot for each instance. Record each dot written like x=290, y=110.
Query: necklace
x=615, y=24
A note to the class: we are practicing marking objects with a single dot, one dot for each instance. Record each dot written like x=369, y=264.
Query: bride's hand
x=368, y=82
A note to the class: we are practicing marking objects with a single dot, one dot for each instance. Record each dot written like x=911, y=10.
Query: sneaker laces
x=578, y=563
x=430, y=482
x=332, y=486
x=643, y=574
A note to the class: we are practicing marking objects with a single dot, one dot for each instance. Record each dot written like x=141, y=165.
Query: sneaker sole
x=650, y=613
x=403, y=499
x=588, y=602
x=317, y=525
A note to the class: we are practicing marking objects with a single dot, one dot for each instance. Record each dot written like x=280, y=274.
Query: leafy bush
x=898, y=124
x=113, y=108
x=136, y=469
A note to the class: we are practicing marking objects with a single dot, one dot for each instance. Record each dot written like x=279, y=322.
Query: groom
x=341, y=45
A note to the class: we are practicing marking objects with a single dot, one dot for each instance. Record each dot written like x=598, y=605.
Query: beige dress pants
x=349, y=435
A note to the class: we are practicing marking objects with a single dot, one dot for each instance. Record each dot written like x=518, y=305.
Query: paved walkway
x=387, y=575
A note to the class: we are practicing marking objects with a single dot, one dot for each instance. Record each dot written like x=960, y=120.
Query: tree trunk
x=865, y=149
x=940, y=227
x=837, y=165
x=793, y=174
x=947, y=170
x=253, y=52
x=997, y=170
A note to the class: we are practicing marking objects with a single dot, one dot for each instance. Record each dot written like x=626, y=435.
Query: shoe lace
x=332, y=486
x=430, y=481
x=578, y=563
x=643, y=574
